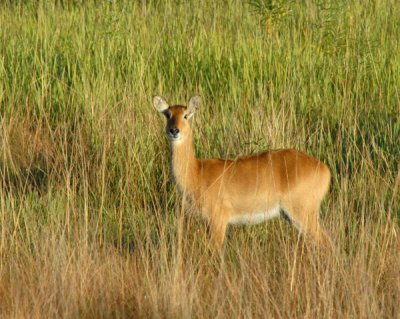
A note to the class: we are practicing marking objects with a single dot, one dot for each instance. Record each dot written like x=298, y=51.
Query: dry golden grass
x=71, y=280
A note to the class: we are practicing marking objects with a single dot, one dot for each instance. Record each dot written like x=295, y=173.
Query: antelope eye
x=185, y=116
x=167, y=114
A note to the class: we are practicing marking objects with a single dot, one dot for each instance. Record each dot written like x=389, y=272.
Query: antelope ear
x=193, y=105
x=160, y=104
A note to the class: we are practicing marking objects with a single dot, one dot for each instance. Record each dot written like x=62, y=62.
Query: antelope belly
x=255, y=217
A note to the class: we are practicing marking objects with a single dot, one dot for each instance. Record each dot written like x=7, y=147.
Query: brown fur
x=224, y=189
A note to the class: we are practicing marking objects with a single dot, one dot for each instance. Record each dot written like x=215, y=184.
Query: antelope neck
x=185, y=166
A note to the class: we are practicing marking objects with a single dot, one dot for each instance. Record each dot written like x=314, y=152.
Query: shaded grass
x=90, y=225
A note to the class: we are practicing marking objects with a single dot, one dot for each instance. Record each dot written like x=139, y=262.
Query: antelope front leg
x=218, y=229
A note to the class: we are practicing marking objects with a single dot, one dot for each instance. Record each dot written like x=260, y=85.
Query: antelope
x=249, y=189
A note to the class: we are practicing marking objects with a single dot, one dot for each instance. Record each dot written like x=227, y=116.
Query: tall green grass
x=90, y=224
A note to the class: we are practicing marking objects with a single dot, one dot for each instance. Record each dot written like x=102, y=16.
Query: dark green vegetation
x=90, y=225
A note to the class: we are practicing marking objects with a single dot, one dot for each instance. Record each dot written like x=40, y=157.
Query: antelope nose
x=174, y=131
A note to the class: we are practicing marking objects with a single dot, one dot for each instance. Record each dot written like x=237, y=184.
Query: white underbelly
x=255, y=217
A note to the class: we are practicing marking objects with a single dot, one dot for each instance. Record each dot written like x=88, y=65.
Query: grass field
x=91, y=225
